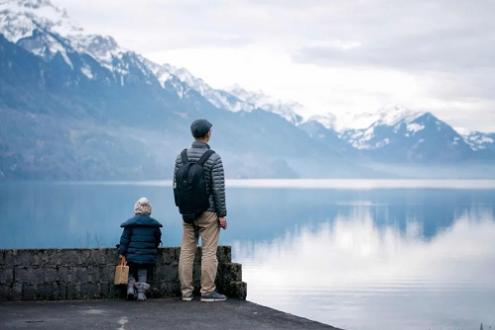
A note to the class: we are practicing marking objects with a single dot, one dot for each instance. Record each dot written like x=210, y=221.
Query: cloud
x=312, y=270
x=443, y=52
x=449, y=51
x=425, y=35
x=331, y=56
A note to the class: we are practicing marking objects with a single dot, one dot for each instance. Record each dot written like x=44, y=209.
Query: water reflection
x=353, y=273
x=89, y=215
x=372, y=256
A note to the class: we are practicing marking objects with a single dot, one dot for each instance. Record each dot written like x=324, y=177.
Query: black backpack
x=190, y=187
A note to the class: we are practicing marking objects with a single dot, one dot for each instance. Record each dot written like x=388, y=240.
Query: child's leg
x=130, y=286
x=142, y=275
x=131, y=282
x=141, y=285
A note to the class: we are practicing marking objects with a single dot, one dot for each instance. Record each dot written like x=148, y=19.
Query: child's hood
x=141, y=220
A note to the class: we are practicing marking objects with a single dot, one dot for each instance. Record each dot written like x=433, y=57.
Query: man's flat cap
x=200, y=127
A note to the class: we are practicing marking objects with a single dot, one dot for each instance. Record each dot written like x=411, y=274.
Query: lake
x=356, y=254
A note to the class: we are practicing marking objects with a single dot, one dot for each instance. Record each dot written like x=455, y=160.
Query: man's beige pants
x=209, y=231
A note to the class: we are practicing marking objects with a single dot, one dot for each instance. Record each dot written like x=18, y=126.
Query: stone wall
x=32, y=274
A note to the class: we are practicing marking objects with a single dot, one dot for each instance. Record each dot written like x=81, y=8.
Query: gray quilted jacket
x=215, y=180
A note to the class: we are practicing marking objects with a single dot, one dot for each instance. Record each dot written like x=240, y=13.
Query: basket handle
x=122, y=261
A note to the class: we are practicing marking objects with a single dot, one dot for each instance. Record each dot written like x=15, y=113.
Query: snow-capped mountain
x=79, y=106
x=409, y=136
x=259, y=100
x=236, y=99
x=219, y=98
x=401, y=120
x=480, y=141
x=321, y=129
x=19, y=19
x=396, y=133
x=352, y=120
x=46, y=30
x=327, y=120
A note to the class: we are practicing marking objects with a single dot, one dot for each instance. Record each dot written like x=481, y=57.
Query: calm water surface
x=354, y=254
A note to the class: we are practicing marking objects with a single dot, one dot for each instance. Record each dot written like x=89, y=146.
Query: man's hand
x=222, y=222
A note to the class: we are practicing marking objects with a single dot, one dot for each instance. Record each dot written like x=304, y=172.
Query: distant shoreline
x=346, y=184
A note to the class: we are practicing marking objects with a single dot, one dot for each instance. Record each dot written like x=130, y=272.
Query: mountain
x=322, y=129
x=79, y=106
x=259, y=100
x=45, y=30
x=327, y=120
x=481, y=143
x=405, y=136
x=398, y=135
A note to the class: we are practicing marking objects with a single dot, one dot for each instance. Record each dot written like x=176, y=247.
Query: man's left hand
x=222, y=222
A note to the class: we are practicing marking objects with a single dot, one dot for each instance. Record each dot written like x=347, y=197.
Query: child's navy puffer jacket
x=140, y=239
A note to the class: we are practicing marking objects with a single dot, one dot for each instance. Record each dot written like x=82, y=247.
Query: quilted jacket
x=140, y=239
x=214, y=176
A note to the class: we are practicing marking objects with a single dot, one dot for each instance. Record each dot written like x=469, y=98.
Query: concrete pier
x=64, y=274
x=167, y=313
x=73, y=289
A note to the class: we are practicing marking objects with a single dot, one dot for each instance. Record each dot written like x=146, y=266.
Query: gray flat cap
x=200, y=127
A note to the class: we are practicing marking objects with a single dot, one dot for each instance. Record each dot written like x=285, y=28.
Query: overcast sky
x=341, y=56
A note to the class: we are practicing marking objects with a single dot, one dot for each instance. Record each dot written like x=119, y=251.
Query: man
x=206, y=224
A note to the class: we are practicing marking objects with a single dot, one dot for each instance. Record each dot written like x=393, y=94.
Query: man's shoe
x=213, y=297
x=187, y=298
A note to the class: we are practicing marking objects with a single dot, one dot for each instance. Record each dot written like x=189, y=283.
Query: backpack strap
x=205, y=157
x=183, y=155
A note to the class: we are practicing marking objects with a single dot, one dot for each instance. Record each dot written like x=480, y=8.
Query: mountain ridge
x=94, y=110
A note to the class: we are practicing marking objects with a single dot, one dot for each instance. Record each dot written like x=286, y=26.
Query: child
x=138, y=245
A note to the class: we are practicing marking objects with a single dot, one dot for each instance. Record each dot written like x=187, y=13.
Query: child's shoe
x=131, y=290
x=141, y=290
